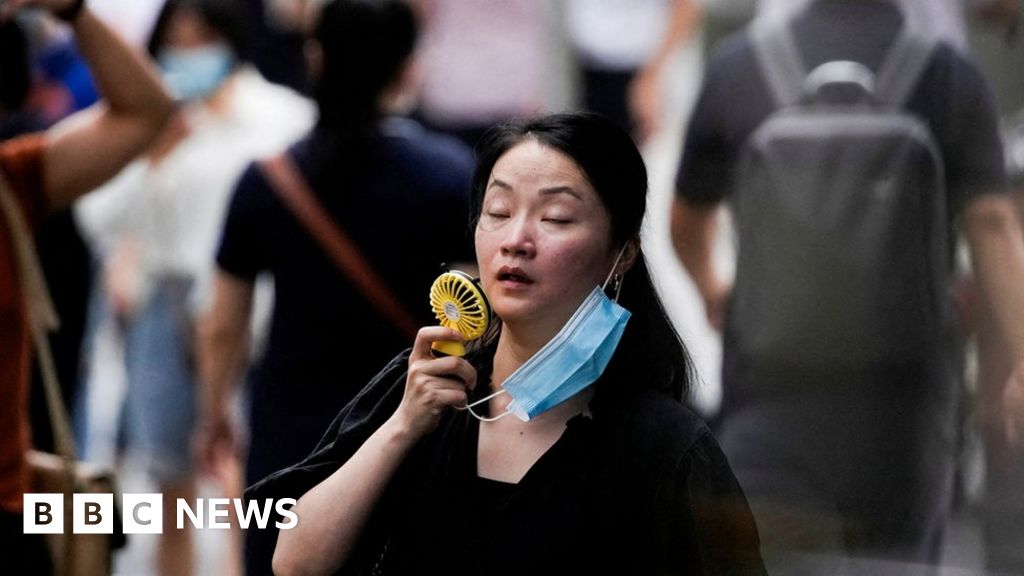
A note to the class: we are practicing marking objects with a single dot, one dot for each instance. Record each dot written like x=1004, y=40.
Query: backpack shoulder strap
x=903, y=66
x=780, y=61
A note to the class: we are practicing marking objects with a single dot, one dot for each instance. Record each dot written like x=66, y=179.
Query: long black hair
x=364, y=45
x=225, y=17
x=650, y=348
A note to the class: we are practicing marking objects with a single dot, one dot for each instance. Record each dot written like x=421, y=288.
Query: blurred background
x=478, y=62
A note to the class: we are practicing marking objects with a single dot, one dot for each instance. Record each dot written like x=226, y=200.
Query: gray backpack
x=841, y=211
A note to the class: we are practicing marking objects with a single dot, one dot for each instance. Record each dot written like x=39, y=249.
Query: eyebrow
x=561, y=190
x=543, y=191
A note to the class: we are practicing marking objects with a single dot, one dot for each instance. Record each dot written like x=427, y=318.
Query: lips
x=512, y=275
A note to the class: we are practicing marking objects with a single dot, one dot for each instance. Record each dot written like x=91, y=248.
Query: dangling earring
x=617, y=285
x=614, y=278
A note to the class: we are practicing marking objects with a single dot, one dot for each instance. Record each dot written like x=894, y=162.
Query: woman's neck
x=219, y=103
x=511, y=352
x=514, y=348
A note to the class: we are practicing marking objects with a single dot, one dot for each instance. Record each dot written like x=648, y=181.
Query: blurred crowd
x=203, y=329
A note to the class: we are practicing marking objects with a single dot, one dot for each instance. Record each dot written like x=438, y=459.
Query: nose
x=519, y=239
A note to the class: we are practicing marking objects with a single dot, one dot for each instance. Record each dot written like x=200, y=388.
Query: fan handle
x=448, y=348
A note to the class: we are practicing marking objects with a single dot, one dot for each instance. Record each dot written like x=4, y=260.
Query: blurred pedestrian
x=483, y=61
x=155, y=228
x=43, y=173
x=388, y=185
x=624, y=50
x=827, y=437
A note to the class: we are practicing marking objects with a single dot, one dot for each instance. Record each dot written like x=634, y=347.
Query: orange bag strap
x=41, y=315
x=293, y=190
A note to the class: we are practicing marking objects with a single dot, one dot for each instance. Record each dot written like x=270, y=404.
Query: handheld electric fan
x=460, y=304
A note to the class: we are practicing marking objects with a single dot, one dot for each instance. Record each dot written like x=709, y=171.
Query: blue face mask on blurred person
x=192, y=74
x=574, y=359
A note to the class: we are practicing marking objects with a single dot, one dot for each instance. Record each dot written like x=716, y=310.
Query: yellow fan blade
x=458, y=303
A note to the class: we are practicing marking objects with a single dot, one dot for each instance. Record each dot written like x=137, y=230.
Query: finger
x=444, y=398
x=428, y=335
x=437, y=395
x=437, y=385
x=451, y=367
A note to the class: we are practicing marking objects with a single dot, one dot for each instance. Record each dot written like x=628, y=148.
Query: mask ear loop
x=469, y=406
x=481, y=401
x=617, y=277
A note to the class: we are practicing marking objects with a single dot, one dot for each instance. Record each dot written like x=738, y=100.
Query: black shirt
x=638, y=487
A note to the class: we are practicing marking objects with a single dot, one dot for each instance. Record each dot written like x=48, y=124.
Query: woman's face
x=194, y=59
x=544, y=237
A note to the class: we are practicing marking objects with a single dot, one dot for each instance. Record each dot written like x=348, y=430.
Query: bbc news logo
x=143, y=513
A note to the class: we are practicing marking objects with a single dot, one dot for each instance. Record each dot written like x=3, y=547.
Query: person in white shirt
x=156, y=225
x=623, y=50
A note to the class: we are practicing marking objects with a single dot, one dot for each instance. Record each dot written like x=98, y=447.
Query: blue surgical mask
x=192, y=74
x=574, y=359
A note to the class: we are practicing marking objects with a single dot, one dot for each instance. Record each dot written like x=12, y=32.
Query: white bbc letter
x=44, y=513
x=184, y=509
x=252, y=510
x=219, y=509
x=284, y=508
x=143, y=513
x=93, y=514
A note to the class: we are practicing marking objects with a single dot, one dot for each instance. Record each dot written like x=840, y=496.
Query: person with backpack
x=851, y=148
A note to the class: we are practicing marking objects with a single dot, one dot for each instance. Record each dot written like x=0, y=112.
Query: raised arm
x=333, y=515
x=90, y=147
